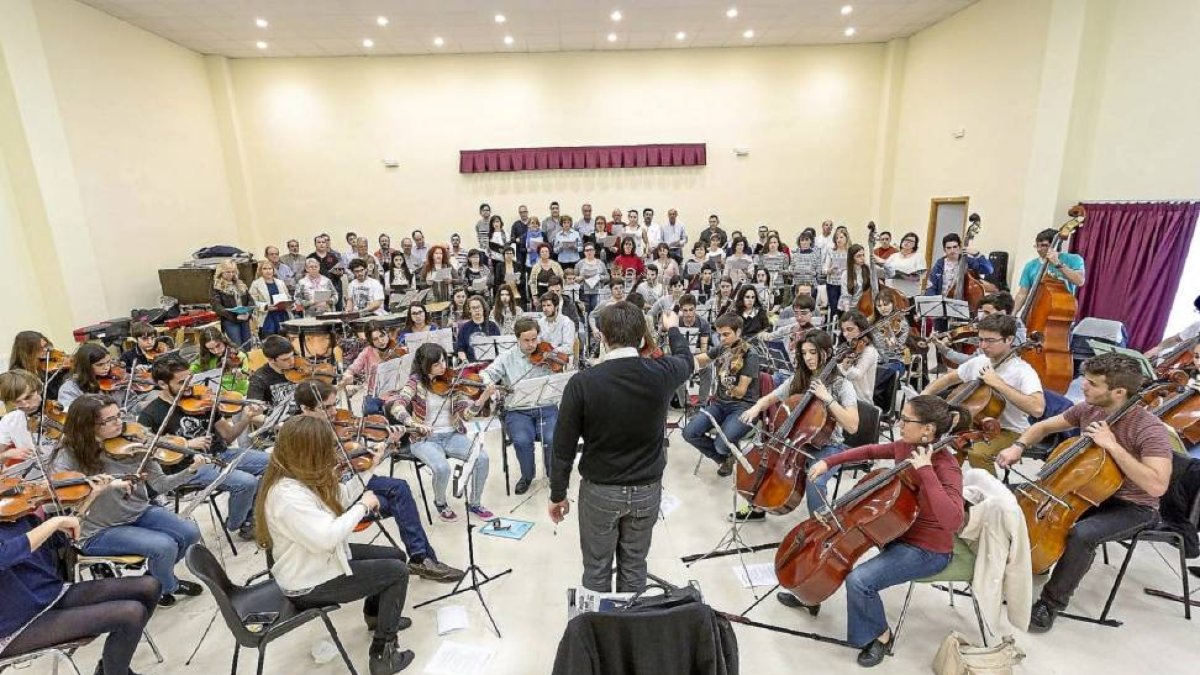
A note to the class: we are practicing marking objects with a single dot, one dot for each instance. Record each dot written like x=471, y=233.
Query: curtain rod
x=1144, y=201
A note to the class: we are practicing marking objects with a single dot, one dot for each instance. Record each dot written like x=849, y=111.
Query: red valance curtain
x=584, y=157
x=1134, y=256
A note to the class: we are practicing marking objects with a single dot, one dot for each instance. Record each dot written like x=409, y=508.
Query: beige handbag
x=957, y=656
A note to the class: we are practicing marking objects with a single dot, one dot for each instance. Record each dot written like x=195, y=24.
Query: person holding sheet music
x=692, y=266
x=318, y=399
x=593, y=272
x=479, y=323
x=542, y=270
x=667, y=267
x=567, y=243
x=474, y=271
x=807, y=260
x=628, y=259
x=396, y=277
x=268, y=291
x=507, y=308
x=417, y=321
x=739, y=262
x=905, y=267
x=526, y=425
x=553, y=326
x=737, y=369
x=229, y=293
x=379, y=346
x=620, y=487
x=834, y=265
x=440, y=430
x=437, y=274
x=310, y=288
x=510, y=273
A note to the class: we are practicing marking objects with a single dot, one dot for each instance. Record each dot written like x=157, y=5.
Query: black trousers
x=1112, y=520
x=119, y=607
x=380, y=575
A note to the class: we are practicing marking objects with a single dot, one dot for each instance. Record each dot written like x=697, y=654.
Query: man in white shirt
x=419, y=252
x=1014, y=379
x=366, y=294
x=586, y=225
x=458, y=254
x=555, y=328
x=672, y=233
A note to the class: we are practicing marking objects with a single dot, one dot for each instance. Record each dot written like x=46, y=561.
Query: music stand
x=537, y=392
x=777, y=355
x=941, y=307
x=490, y=347
x=442, y=336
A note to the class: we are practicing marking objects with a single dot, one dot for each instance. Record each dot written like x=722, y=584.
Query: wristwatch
x=1021, y=444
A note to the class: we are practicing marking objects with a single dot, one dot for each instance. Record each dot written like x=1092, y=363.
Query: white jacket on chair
x=996, y=532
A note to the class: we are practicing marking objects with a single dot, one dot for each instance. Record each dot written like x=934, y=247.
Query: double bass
x=966, y=285
x=1050, y=310
x=874, y=290
x=814, y=558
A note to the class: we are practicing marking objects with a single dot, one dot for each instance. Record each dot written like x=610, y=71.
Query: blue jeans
x=158, y=535
x=726, y=414
x=435, y=450
x=526, y=426
x=372, y=405
x=396, y=500
x=812, y=490
x=238, y=332
x=241, y=484
x=897, y=563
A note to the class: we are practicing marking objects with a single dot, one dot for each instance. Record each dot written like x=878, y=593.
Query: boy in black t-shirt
x=268, y=383
x=737, y=368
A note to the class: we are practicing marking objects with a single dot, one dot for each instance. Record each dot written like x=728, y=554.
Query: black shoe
x=872, y=655
x=246, y=532
x=190, y=588
x=523, y=486
x=726, y=467
x=747, y=515
x=387, y=659
x=167, y=600
x=1041, y=617
x=373, y=621
x=789, y=600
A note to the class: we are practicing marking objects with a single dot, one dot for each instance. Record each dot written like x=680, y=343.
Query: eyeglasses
x=108, y=420
x=909, y=420
x=990, y=341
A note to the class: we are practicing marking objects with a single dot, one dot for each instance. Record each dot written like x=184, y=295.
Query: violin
x=119, y=378
x=361, y=458
x=52, y=417
x=815, y=557
x=19, y=498
x=199, y=401
x=53, y=360
x=458, y=380
x=981, y=400
x=169, y=450
x=305, y=369
x=373, y=428
x=1050, y=310
x=393, y=351
x=545, y=355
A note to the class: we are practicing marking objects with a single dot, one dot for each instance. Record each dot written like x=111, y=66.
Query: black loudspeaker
x=999, y=275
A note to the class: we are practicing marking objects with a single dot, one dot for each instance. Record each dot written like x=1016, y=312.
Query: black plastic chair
x=238, y=602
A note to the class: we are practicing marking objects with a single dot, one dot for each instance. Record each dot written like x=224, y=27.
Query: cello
x=871, y=294
x=1180, y=409
x=981, y=400
x=966, y=285
x=1050, y=310
x=815, y=556
x=1077, y=476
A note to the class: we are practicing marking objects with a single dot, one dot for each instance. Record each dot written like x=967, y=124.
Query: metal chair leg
x=900, y=621
x=212, y=504
x=338, y=643
x=1183, y=572
x=236, y=650
x=153, y=647
x=421, y=484
x=979, y=618
x=262, y=658
x=1112, y=595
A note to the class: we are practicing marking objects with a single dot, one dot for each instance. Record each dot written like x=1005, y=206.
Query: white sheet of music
x=443, y=337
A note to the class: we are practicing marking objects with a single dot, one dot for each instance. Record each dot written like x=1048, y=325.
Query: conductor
x=619, y=408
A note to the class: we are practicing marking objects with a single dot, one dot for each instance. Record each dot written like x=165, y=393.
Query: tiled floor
x=529, y=604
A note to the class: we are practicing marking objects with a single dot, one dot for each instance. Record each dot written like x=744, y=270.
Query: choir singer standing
x=619, y=408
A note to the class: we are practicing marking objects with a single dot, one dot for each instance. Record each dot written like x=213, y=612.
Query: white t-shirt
x=1018, y=374
x=1189, y=332
x=14, y=431
x=843, y=393
x=363, y=293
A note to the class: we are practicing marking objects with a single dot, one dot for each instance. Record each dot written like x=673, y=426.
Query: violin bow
x=41, y=429
x=162, y=427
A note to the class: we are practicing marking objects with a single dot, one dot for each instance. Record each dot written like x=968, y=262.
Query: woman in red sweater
x=925, y=549
x=629, y=259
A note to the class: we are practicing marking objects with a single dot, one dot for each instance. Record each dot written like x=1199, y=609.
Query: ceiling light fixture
x=381, y=21
x=260, y=44
x=500, y=18
x=680, y=35
x=368, y=43
x=612, y=37
x=438, y=42
x=731, y=12
x=846, y=9
x=849, y=32
x=749, y=33
x=616, y=15
x=508, y=40
x=261, y=22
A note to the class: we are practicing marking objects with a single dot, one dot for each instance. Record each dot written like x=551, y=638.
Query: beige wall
x=316, y=131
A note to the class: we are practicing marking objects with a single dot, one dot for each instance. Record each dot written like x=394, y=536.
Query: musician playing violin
x=318, y=399
x=1015, y=380
x=737, y=368
x=380, y=347
x=147, y=346
x=441, y=432
x=41, y=610
x=815, y=350
x=269, y=383
x=925, y=549
x=170, y=375
x=217, y=352
x=126, y=522
x=1140, y=445
x=20, y=392
x=90, y=362
x=860, y=365
x=524, y=426
x=1066, y=267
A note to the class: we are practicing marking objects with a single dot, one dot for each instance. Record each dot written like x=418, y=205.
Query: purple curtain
x=1134, y=256
x=586, y=157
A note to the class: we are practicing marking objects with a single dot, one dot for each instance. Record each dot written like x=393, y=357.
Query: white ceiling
x=338, y=27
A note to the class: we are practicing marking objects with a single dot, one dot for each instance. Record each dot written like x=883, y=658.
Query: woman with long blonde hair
x=305, y=515
x=229, y=293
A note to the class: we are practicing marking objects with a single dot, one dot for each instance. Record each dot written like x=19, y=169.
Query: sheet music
x=453, y=658
x=208, y=377
x=393, y=373
x=941, y=307
x=490, y=347
x=538, y=391
x=441, y=275
x=693, y=337
x=443, y=337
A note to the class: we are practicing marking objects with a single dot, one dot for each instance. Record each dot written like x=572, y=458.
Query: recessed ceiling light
x=261, y=23
x=612, y=37
x=368, y=43
x=748, y=33
x=616, y=15
x=731, y=12
x=381, y=20
x=849, y=32
x=260, y=44
x=846, y=9
x=508, y=40
x=500, y=18
x=438, y=42
x=680, y=35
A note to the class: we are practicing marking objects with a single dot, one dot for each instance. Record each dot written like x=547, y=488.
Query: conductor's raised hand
x=669, y=319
